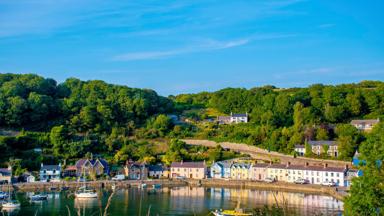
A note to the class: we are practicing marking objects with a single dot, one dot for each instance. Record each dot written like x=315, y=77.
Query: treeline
x=281, y=118
x=33, y=102
x=274, y=106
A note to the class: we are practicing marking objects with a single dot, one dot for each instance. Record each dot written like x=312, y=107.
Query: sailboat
x=237, y=212
x=85, y=193
x=10, y=204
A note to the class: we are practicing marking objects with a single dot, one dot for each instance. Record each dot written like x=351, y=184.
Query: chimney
x=181, y=162
x=270, y=162
x=325, y=165
x=204, y=162
x=9, y=167
x=306, y=164
x=288, y=164
x=41, y=165
x=346, y=166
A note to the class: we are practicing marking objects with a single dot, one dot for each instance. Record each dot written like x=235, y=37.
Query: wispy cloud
x=207, y=46
x=202, y=46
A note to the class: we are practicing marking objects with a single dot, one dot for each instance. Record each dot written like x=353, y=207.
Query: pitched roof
x=70, y=168
x=81, y=162
x=241, y=165
x=322, y=142
x=188, y=164
x=309, y=168
x=365, y=121
x=50, y=167
x=261, y=165
x=5, y=172
x=239, y=115
x=224, y=164
x=155, y=168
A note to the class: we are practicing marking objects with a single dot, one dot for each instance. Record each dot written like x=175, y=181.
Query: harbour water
x=176, y=201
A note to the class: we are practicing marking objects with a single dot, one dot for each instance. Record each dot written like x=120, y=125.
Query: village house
x=97, y=167
x=135, y=170
x=194, y=170
x=318, y=147
x=258, y=171
x=158, y=171
x=300, y=150
x=319, y=174
x=70, y=171
x=277, y=172
x=365, y=125
x=6, y=175
x=239, y=117
x=240, y=171
x=221, y=169
x=50, y=173
x=27, y=177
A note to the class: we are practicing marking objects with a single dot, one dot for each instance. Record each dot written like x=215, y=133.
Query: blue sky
x=195, y=45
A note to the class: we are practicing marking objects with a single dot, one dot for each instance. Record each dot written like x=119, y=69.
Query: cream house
x=365, y=125
x=193, y=170
x=258, y=171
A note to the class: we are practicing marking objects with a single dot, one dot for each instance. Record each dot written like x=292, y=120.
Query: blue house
x=221, y=169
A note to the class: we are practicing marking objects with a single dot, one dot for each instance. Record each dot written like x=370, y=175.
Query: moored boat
x=237, y=212
x=39, y=197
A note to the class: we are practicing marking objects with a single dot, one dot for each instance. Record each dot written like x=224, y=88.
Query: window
x=331, y=174
x=326, y=173
x=337, y=174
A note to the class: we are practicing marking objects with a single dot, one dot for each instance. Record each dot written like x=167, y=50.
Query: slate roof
x=155, y=168
x=81, y=162
x=5, y=172
x=188, y=164
x=322, y=142
x=261, y=165
x=225, y=164
x=309, y=168
x=239, y=115
x=50, y=167
x=365, y=121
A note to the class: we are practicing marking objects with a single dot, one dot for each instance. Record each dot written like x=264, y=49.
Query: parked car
x=301, y=181
x=118, y=178
x=269, y=180
x=180, y=177
x=328, y=183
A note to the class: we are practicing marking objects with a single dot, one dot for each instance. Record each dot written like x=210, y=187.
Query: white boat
x=113, y=187
x=39, y=197
x=86, y=193
x=11, y=205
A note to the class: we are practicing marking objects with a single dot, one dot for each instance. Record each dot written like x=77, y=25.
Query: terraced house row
x=282, y=172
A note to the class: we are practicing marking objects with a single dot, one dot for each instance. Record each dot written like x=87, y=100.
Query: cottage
x=239, y=117
x=240, y=171
x=50, y=173
x=258, y=171
x=136, y=170
x=278, y=172
x=86, y=167
x=70, y=171
x=318, y=147
x=194, y=170
x=224, y=119
x=27, y=177
x=157, y=171
x=300, y=150
x=6, y=175
x=319, y=175
x=365, y=125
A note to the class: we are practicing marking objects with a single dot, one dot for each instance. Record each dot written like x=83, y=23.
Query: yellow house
x=240, y=171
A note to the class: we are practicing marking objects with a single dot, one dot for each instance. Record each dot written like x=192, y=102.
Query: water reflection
x=180, y=201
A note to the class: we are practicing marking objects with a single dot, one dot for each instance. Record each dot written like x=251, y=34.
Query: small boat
x=39, y=197
x=230, y=213
x=11, y=205
x=85, y=193
x=64, y=188
x=142, y=186
x=3, y=195
x=156, y=186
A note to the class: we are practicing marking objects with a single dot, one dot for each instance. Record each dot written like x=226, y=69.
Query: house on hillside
x=365, y=125
x=50, y=173
x=224, y=119
x=158, y=171
x=70, y=171
x=85, y=167
x=193, y=170
x=239, y=117
x=300, y=150
x=6, y=175
x=318, y=147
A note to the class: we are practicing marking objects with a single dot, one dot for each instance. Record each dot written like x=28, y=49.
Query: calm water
x=177, y=201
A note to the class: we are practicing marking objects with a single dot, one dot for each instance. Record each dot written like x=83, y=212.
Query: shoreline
x=215, y=183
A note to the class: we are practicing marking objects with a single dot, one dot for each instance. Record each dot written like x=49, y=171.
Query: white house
x=365, y=125
x=318, y=174
x=300, y=150
x=239, y=117
x=50, y=173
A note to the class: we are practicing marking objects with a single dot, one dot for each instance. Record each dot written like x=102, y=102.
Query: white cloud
x=206, y=46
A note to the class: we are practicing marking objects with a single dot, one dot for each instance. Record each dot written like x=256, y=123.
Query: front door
x=190, y=175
